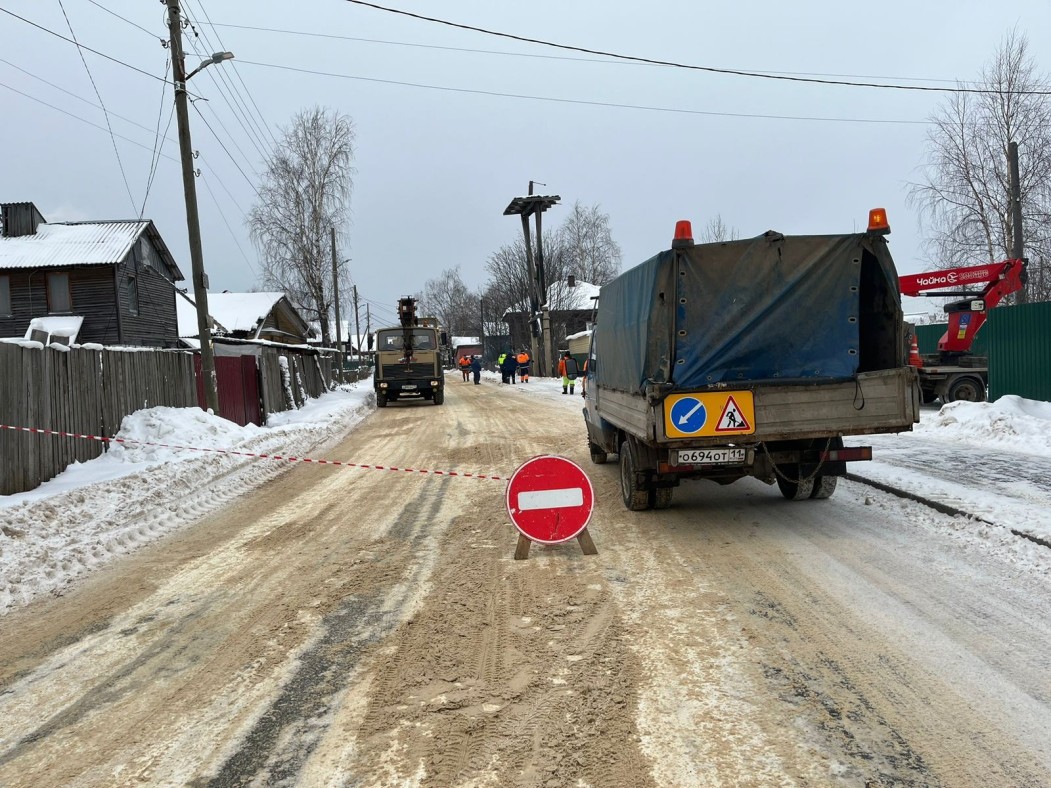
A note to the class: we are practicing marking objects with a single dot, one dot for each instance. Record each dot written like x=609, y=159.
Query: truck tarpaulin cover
x=771, y=307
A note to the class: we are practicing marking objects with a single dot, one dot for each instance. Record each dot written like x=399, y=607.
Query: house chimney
x=571, y=280
x=19, y=218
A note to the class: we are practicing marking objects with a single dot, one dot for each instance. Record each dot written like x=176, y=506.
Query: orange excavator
x=954, y=372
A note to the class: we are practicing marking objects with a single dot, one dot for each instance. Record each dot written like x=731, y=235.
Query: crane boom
x=987, y=285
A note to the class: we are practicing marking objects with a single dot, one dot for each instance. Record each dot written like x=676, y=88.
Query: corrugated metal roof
x=82, y=243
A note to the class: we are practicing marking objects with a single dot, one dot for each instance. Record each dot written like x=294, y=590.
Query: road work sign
x=550, y=499
x=709, y=414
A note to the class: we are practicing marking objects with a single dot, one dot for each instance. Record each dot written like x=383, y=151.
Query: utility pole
x=193, y=223
x=357, y=325
x=1017, y=249
x=335, y=299
x=539, y=308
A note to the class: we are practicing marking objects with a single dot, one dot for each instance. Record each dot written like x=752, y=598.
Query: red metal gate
x=238, y=383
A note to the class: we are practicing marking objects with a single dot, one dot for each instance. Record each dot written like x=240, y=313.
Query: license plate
x=710, y=456
x=409, y=386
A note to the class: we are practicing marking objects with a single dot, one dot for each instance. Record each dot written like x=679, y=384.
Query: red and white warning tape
x=283, y=458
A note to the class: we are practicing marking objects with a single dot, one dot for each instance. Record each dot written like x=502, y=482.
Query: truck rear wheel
x=636, y=496
x=824, y=486
x=795, y=490
x=967, y=389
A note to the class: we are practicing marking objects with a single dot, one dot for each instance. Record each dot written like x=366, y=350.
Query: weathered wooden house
x=572, y=310
x=117, y=275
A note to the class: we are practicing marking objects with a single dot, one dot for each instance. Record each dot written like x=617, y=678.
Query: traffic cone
x=914, y=353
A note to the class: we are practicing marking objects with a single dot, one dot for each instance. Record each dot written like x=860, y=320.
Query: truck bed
x=876, y=402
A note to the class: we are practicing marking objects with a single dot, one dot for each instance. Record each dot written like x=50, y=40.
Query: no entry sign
x=550, y=499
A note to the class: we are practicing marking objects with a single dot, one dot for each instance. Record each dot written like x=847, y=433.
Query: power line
x=210, y=129
x=230, y=94
x=231, y=138
x=74, y=95
x=82, y=120
x=105, y=112
x=237, y=73
x=159, y=146
x=253, y=140
x=163, y=41
x=584, y=102
x=222, y=214
x=533, y=55
x=672, y=64
x=80, y=46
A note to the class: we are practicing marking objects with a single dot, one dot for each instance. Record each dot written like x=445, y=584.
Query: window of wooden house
x=58, y=297
x=133, y=294
x=145, y=254
x=5, y=297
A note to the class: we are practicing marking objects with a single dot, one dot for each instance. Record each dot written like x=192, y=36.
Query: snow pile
x=146, y=487
x=1011, y=424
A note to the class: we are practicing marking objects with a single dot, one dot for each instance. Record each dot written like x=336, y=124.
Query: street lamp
x=193, y=222
x=217, y=57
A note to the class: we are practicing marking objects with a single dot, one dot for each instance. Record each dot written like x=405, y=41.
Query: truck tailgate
x=882, y=401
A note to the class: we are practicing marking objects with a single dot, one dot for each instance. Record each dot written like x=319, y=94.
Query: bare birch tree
x=965, y=196
x=717, y=230
x=304, y=193
x=449, y=299
x=585, y=242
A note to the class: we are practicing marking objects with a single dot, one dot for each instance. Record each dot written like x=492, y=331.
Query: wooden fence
x=89, y=392
x=80, y=390
x=289, y=378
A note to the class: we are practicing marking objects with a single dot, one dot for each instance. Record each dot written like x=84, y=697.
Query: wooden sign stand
x=587, y=545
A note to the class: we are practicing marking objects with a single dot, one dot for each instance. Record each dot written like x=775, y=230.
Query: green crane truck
x=408, y=359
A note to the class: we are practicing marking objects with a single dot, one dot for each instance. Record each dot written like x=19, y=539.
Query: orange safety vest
x=523, y=358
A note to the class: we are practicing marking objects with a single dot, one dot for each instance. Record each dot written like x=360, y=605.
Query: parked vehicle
x=954, y=372
x=408, y=361
x=748, y=358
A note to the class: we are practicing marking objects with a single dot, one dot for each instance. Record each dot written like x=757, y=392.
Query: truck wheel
x=636, y=497
x=967, y=389
x=439, y=396
x=598, y=456
x=793, y=490
x=824, y=486
x=660, y=497
x=381, y=400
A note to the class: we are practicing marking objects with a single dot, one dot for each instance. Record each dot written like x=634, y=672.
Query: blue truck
x=748, y=358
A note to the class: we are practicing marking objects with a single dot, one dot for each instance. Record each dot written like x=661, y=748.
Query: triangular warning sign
x=732, y=420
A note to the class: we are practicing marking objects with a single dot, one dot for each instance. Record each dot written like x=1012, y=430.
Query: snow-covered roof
x=186, y=312
x=579, y=297
x=79, y=243
x=464, y=341
x=242, y=311
x=579, y=335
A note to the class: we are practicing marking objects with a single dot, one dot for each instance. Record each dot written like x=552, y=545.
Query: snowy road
x=353, y=626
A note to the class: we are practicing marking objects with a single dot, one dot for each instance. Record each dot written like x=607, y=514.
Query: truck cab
x=408, y=360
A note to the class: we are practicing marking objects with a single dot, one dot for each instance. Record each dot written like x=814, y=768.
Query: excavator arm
x=979, y=288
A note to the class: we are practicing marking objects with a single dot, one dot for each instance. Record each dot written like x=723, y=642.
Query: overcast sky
x=451, y=124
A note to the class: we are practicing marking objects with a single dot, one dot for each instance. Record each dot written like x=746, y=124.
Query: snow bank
x=1010, y=424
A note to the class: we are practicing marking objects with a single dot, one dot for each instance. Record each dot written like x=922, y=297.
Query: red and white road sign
x=550, y=499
